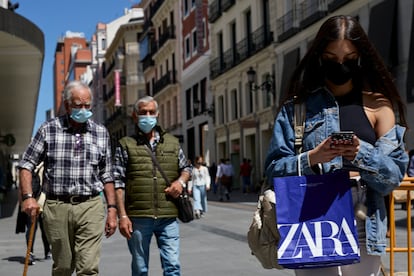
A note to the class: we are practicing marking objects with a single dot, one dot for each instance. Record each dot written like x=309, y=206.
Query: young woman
x=345, y=86
x=199, y=185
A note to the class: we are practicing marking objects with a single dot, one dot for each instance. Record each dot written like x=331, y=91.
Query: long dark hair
x=373, y=76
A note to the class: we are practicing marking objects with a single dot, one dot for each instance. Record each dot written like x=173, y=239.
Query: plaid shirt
x=121, y=161
x=76, y=163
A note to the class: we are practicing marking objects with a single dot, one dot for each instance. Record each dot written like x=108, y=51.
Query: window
x=222, y=110
x=103, y=44
x=196, y=98
x=234, y=105
x=168, y=114
x=203, y=99
x=185, y=7
x=195, y=47
x=175, y=108
x=188, y=103
x=249, y=99
x=187, y=48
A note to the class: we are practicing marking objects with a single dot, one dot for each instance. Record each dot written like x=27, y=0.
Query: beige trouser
x=75, y=234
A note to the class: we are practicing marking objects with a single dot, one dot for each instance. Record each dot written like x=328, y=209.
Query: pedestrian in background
x=213, y=172
x=345, y=85
x=198, y=187
x=77, y=168
x=245, y=173
x=144, y=195
x=24, y=222
x=225, y=174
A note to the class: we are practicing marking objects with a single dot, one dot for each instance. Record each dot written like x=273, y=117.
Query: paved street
x=213, y=245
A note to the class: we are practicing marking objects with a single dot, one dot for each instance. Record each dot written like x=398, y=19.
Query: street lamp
x=266, y=86
x=196, y=104
x=208, y=111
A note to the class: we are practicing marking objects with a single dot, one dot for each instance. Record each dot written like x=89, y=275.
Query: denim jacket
x=381, y=166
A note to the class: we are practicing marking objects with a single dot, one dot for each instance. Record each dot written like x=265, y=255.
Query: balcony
x=336, y=4
x=255, y=42
x=154, y=8
x=287, y=25
x=169, y=33
x=214, y=11
x=118, y=114
x=226, y=4
x=147, y=62
x=164, y=81
x=311, y=11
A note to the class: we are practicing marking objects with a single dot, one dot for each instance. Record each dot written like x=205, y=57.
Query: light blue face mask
x=81, y=115
x=147, y=122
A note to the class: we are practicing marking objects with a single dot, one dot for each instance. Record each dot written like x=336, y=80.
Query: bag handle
x=299, y=124
x=155, y=162
x=299, y=128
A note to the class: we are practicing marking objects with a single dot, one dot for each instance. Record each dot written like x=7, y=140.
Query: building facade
x=162, y=63
x=72, y=57
x=197, y=101
x=267, y=39
x=219, y=69
x=241, y=42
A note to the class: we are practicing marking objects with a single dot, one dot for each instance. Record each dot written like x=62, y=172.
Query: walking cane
x=29, y=245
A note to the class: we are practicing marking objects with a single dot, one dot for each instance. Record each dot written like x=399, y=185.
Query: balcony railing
x=311, y=11
x=169, y=33
x=287, y=25
x=164, y=81
x=119, y=113
x=214, y=11
x=258, y=40
x=307, y=13
x=147, y=62
x=335, y=4
x=226, y=4
x=156, y=7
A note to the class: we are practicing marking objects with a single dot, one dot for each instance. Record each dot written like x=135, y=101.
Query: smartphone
x=342, y=137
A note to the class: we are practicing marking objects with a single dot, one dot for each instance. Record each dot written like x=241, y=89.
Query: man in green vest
x=143, y=195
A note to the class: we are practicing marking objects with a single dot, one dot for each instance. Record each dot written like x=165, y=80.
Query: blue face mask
x=80, y=115
x=147, y=123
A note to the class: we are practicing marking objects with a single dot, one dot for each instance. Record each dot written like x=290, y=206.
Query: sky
x=54, y=18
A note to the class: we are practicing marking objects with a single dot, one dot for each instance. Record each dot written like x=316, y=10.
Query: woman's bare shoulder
x=375, y=101
x=379, y=111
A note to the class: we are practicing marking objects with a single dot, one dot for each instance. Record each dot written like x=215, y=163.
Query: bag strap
x=155, y=161
x=299, y=117
x=299, y=125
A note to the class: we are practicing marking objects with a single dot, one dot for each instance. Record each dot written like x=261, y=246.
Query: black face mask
x=338, y=73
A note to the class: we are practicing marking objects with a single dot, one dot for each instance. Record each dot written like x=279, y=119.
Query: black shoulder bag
x=183, y=201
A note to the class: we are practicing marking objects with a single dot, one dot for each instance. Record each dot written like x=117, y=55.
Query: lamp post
x=267, y=87
x=196, y=104
x=208, y=111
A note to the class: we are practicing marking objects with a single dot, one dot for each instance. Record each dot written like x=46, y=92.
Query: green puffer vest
x=144, y=194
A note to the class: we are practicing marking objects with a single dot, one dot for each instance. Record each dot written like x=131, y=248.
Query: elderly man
x=147, y=209
x=77, y=168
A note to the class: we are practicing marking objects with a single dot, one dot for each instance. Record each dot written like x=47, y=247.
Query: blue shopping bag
x=315, y=219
